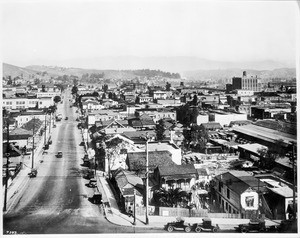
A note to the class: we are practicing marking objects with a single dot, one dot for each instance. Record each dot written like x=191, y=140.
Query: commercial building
x=246, y=83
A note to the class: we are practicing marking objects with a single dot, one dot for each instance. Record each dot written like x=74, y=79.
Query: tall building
x=246, y=83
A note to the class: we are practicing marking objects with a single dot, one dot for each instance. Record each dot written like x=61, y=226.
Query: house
x=145, y=122
x=157, y=113
x=159, y=95
x=144, y=99
x=236, y=192
x=211, y=126
x=128, y=186
x=136, y=161
x=90, y=104
x=25, y=117
x=18, y=135
x=108, y=103
x=45, y=102
x=175, y=176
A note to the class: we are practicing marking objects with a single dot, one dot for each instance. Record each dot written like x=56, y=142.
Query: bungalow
x=176, y=176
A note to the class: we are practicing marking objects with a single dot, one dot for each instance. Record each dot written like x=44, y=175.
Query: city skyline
x=68, y=34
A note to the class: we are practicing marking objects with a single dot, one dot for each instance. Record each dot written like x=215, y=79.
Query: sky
x=39, y=32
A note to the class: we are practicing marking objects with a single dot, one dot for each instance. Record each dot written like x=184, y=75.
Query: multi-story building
x=246, y=83
x=157, y=113
x=19, y=103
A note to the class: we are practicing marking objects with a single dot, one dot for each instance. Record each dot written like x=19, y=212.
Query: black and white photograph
x=141, y=118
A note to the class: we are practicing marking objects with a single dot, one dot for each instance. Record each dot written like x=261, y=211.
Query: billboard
x=249, y=200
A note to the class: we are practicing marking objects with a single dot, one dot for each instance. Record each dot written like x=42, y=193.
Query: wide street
x=56, y=201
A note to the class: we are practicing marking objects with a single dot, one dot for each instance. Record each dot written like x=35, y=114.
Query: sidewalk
x=114, y=215
x=18, y=183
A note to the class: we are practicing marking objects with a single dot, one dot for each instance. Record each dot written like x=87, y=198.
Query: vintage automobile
x=205, y=226
x=256, y=225
x=59, y=154
x=92, y=183
x=179, y=224
x=33, y=173
x=89, y=174
x=288, y=226
x=97, y=198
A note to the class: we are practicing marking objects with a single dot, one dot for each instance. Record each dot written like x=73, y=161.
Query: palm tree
x=171, y=197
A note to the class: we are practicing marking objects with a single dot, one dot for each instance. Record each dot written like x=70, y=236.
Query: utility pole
x=294, y=181
x=45, y=138
x=50, y=123
x=7, y=166
x=134, y=206
x=32, y=165
x=147, y=178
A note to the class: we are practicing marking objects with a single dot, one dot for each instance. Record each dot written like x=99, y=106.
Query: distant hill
x=14, y=71
x=176, y=64
x=286, y=73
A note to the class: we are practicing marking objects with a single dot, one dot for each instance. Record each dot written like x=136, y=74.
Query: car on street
x=92, y=183
x=179, y=224
x=97, y=198
x=59, y=154
x=205, y=226
x=256, y=225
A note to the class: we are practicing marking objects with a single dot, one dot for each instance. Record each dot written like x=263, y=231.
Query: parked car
x=288, y=226
x=89, y=174
x=92, y=183
x=46, y=147
x=205, y=226
x=66, y=118
x=97, y=198
x=178, y=225
x=33, y=173
x=59, y=154
x=256, y=225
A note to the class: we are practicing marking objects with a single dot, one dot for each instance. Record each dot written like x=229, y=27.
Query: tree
x=43, y=88
x=168, y=86
x=57, y=99
x=269, y=155
x=171, y=197
x=195, y=100
x=160, y=130
x=9, y=82
x=103, y=96
x=74, y=89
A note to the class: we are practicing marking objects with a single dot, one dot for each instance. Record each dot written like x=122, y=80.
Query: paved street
x=56, y=201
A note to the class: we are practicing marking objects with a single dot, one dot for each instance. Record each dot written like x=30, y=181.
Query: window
x=226, y=205
x=229, y=207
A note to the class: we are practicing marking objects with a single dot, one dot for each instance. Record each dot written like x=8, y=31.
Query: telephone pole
x=7, y=166
x=45, y=138
x=147, y=178
x=32, y=165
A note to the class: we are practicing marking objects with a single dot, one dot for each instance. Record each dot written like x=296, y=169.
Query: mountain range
x=191, y=68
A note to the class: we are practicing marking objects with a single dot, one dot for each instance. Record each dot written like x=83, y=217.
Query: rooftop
x=265, y=133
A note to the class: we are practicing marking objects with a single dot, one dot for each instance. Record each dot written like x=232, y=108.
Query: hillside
x=227, y=74
x=14, y=71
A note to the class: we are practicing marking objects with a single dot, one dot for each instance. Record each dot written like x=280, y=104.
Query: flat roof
x=265, y=133
x=253, y=147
